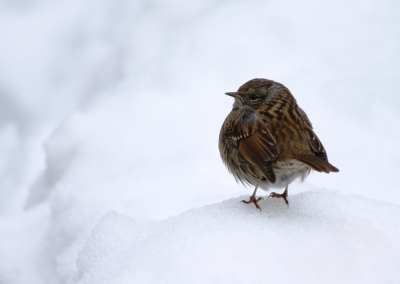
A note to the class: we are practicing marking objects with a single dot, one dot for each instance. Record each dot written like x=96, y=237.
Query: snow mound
x=323, y=237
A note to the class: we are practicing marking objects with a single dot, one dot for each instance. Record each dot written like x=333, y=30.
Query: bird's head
x=257, y=92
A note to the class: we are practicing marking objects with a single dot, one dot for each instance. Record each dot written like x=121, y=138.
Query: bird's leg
x=253, y=199
x=283, y=195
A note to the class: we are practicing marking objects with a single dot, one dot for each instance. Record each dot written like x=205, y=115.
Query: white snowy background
x=110, y=112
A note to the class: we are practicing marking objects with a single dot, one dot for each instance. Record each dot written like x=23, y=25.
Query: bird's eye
x=253, y=97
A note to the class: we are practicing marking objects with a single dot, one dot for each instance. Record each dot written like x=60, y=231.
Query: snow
x=109, y=120
x=323, y=236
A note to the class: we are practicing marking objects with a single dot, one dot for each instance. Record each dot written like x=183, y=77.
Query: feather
x=317, y=163
x=255, y=141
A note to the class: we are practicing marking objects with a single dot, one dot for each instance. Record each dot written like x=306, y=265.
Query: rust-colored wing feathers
x=319, y=159
x=255, y=150
x=315, y=144
x=255, y=142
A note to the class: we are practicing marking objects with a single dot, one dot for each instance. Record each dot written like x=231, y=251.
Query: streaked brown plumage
x=268, y=141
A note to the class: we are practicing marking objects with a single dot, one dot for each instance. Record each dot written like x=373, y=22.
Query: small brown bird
x=268, y=141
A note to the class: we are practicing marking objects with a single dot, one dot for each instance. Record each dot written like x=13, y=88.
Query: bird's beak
x=235, y=95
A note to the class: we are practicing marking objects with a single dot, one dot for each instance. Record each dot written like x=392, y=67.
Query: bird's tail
x=317, y=163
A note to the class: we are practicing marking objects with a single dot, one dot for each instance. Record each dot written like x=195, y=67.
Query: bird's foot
x=283, y=195
x=254, y=200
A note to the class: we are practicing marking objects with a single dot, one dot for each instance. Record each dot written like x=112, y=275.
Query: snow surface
x=324, y=237
x=116, y=105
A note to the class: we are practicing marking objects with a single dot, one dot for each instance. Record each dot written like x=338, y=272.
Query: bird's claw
x=253, y=200
x=278, y=195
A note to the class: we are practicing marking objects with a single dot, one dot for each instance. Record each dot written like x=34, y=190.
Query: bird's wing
x=315, y=144
x=255, y=141
x=319, y=159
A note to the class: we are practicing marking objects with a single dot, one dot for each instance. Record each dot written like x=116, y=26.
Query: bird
x=268, y=141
